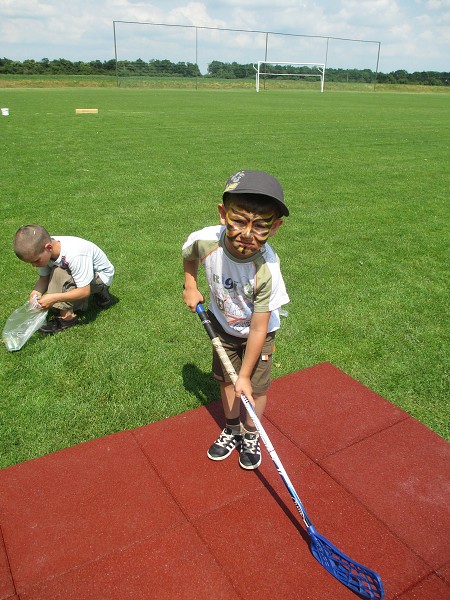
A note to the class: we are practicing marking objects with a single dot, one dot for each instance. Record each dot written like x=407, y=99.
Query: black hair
x=253, y=203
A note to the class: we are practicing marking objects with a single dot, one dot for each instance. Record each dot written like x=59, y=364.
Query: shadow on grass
x=205, y=389
x=93, y=311
x=84, y=317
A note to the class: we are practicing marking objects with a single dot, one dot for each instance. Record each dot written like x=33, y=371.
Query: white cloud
x=437, y=4
x=375, y=12
x=194, y=13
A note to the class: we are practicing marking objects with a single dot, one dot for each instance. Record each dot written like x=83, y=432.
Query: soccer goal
x=296, y=72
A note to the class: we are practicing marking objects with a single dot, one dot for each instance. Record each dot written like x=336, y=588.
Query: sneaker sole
x=250, y=467
x=218, y=457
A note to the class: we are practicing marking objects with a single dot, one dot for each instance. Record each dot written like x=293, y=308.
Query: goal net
x=289, y=69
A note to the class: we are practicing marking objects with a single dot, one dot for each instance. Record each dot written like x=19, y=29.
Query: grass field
x=364, y=252
x=205, y=83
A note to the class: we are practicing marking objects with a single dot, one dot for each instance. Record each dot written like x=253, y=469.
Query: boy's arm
x=257, y=336
x=191, y=294
x=80, y=293
x=40, y=287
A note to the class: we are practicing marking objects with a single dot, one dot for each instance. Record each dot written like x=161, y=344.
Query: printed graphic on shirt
x=233, y=298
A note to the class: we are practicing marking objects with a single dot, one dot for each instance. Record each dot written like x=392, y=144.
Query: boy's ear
x=276, y=225
x=223, y=214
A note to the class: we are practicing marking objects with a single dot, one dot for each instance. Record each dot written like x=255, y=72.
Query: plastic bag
x=21, y=325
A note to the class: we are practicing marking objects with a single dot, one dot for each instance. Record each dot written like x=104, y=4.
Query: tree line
x=216, y=69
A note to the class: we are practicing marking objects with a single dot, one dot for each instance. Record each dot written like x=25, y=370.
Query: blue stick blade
x=356, y=577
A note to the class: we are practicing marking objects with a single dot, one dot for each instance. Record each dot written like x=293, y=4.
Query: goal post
x=319, y=66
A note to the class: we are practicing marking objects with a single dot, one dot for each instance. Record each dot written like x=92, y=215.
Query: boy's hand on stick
x=244, y=386
x=192, y=297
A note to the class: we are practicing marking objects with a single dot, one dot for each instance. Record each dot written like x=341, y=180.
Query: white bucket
x=5, y=112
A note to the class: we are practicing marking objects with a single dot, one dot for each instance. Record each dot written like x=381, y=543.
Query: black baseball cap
x=257, y=182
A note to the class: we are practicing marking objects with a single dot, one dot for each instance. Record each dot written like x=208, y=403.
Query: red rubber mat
x=144, y=514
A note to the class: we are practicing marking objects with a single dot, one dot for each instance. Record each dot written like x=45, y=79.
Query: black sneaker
x=250, y=455
x=227, y=441
x=57, y=324
x=103, y=299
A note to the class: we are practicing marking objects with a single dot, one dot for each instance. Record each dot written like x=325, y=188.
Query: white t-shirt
x=238, y=287
x=82, y=259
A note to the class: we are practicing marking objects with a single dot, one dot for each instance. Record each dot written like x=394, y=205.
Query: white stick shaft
x=260, y=429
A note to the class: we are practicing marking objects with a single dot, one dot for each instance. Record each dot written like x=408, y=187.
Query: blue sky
x=414, y=34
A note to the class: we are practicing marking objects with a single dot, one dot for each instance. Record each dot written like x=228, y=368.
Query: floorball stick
x=356, y=577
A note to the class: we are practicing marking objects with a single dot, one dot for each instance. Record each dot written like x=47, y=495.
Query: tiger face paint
x=246, y=231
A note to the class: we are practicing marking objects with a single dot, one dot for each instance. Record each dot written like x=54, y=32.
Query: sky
x=413, y=35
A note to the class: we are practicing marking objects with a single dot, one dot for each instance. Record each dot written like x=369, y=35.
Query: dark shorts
x=235, y=349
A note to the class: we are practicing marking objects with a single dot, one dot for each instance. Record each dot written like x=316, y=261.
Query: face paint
x=247, y=231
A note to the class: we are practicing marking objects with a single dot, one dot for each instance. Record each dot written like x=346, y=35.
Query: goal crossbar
x=319, y=66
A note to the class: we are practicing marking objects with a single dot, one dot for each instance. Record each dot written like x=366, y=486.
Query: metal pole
x=196, y=56
x=376, y=71
x=265, y=59
x=325, y=65
x=115, y=54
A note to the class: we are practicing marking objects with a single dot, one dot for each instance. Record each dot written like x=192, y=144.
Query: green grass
x=205, y=83
x=364, y=252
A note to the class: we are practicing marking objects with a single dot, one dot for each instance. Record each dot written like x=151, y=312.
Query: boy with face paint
x=246, y=293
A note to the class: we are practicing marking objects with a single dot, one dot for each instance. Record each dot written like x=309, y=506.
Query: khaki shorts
x=235, y=349
x=61, y=281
